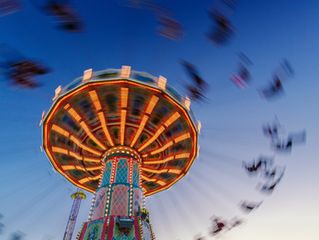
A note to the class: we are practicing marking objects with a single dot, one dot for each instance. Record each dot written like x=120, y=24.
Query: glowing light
x=95, y=100
x=167, y=145
x=73, y=154
x=161, y=82
x=139, y=130
x=176, y=171
x=124, y=96
x=160, y=182
x=87, y=75
x=57, y=92
x=74, y=114
x=77, y=142
x=187, y=103
x=88, y=132
x=153, y=138
x=172, y=119
x=97, y=105
x=177, y=156
x=182, y=155
x=87, y=179
x=152, y=103
x=59, y=150
x=60, y=130
x=167, y=123
x=104, y=127
x=182, y=137
x=160, y=161
x=72, y=167
x=122, y=129
x=148, y=179
x=125, y=72
x=65, y=133
x=150, y=106
x=78, y=118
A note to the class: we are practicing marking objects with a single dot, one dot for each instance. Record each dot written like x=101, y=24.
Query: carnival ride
x=77, y=196
x=121, y=135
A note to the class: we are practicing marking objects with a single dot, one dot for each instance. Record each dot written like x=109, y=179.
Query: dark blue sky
x=36, y=200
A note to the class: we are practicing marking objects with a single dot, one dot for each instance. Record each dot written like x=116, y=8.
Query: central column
x=119, y=193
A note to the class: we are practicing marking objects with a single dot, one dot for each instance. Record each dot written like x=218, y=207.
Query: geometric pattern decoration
x=119, y=200
x=137, y=199
x=122, y=171
x=100, y=202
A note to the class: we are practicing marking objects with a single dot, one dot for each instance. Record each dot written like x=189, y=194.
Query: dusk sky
x=35, y=199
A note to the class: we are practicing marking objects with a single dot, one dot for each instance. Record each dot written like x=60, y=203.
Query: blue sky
x=36, y=200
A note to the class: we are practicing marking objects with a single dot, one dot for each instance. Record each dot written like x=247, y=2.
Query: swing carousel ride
x=121, y=135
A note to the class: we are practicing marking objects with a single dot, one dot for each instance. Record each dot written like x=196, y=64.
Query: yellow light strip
x=87, y=179
x=160, y=182
x=123, y=120
x=167, y=123
x=60, y=130
x=139, y=130
x=172, y=119
x=176, y=140
x=175, y=171
x=125, y=72
x=177, y=156
x=97, y=105
x=124, y=96
x=153, y=138
x=151, y=104
x=73, y=154
x=88, y=132
x=182, y=137
x=74, y=114
x=182, y=155
x=72, y=167
x=95, y=100
x=149, y=109
x=148, y=179
x=167, y=145
x=65, y=133
x=105, y=129
x=77, y=142
x=159, y=161
x=59, y=150
x=79, y=120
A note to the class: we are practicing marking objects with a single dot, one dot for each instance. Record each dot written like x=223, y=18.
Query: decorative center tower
x=122, y=135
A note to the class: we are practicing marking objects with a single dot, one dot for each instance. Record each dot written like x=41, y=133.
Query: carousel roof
x=120, y=108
